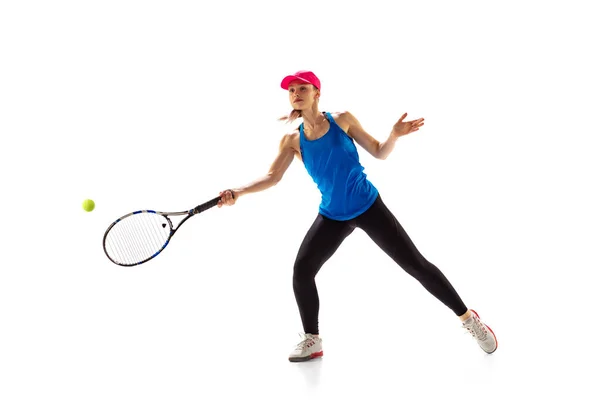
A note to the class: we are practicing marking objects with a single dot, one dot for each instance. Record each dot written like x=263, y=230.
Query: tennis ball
x=89, y=205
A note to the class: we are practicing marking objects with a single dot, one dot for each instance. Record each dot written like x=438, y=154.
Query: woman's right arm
x=276, y=171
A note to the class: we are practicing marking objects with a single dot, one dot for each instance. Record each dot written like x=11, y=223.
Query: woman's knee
x=303, y=271
x=417, y=267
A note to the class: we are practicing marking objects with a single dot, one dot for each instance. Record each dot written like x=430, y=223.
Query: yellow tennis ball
x=89, y=205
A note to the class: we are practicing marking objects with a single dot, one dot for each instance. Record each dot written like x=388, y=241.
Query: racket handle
x=209, y=204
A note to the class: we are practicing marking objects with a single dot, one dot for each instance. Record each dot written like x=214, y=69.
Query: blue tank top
x=332, y=162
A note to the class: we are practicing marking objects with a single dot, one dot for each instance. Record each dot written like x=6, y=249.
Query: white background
x=146, y=104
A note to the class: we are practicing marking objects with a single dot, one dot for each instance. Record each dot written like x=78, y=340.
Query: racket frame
x=172, y=229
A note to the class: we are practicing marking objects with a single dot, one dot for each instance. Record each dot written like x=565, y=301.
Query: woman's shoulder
x=342, y=118
x=291, y=139
x=292, y=135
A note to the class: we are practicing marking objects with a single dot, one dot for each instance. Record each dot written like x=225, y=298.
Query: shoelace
x=304, y=343
x=477, y=330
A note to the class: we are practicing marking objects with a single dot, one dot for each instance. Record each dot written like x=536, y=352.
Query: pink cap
x=306, y=76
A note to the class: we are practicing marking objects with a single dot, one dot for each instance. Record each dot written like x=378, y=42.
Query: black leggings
x=326, y=235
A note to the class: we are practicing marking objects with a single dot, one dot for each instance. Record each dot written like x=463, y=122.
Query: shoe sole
x=307, y=358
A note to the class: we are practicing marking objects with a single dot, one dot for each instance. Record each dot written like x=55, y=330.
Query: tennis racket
x=139, y=236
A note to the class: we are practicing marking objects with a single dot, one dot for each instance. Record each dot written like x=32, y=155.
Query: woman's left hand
x=402, y=127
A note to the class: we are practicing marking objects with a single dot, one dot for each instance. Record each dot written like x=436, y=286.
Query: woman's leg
x=321, y=241
x=385, y=230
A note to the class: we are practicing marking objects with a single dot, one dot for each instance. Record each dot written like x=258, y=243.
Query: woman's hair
x=293, y=115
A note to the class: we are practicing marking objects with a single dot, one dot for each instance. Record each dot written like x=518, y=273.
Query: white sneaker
x=310, y=347
x=481, y=332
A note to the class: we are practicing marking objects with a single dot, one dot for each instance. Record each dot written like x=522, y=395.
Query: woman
x=324, y=142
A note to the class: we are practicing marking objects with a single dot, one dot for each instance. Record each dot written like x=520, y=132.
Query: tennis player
x=325, y=142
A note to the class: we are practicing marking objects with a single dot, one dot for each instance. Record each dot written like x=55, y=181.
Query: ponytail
x=294, y=114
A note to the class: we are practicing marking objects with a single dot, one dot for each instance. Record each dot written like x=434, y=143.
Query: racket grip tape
x=209, y=204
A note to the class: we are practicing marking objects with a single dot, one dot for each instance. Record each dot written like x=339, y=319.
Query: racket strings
x=137, y=238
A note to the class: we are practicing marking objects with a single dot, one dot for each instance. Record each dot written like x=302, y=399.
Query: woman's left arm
x=377, y=149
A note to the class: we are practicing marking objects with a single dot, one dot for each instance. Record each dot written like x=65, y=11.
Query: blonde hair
x=291, y=117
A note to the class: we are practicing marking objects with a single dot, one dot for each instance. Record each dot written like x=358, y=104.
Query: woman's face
x=302, y=95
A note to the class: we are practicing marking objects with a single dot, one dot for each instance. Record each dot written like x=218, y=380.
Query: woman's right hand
x=228, y=198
